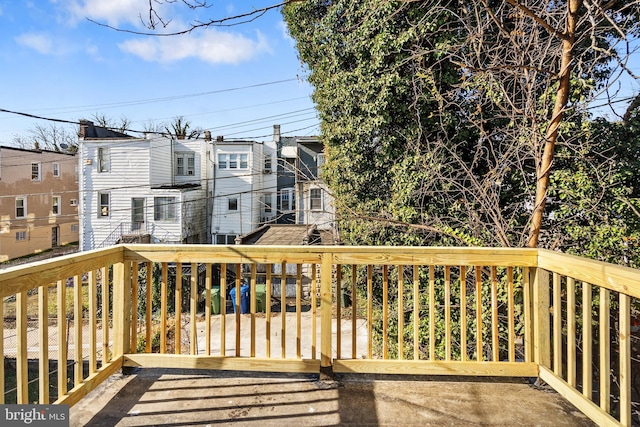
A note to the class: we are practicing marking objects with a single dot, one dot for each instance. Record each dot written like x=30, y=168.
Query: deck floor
x=179, y=397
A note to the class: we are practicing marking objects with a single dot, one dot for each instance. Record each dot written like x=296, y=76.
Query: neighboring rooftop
x=88, y=130
x=283, y=234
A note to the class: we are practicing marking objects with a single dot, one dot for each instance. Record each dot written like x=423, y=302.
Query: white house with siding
x=151, y=189
x=244, y=187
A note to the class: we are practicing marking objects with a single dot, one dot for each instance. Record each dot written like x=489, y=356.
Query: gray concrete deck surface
x=179, y=397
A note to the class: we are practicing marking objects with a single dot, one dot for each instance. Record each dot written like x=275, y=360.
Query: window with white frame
x=103, y=209
x=56, y=169
x=164, y=208
x=233, y=203
x=267, y=204
x=74, y=228
x=315, y=199
x=226, y=239
x=21, y=235
x=56, y=205
x=35, y=171
x=21, y=207
x=104, y=159
x=73, y=202
x=185, y=164
x=233, y=161
x=287, y=199
x=267, y=163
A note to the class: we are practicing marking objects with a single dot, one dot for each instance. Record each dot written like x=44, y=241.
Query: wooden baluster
x=479, y=343
x=463, y=313
x=605, y=353
x=354, y=311
x=557, y=325
x=587, y=342
x=91, y=279
x=43, y=332
x=61, y=302
x=164, y=303
x=193, y=339
x=495, y=337
x=511, y=315
x=178, y=310
x=432, y=314
x=571, y=332
x=447, y=312
x=400, y=313
x=77, y=323
x=385, y=309
x=416, y=312
x=149, y=306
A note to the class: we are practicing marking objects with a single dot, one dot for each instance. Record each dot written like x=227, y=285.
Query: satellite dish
x=64, y=146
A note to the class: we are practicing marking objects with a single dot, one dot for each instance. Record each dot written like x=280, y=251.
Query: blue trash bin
x=244, y=298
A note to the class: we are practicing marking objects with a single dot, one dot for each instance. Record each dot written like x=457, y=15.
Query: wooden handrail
x=452, y=299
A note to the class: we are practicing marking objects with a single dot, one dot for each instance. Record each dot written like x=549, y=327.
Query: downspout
x=213, y=188
x=252, y=169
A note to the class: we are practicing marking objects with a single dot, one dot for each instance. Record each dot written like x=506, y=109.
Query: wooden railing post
x=326, y=369
x=121, y=308
x=541, y=321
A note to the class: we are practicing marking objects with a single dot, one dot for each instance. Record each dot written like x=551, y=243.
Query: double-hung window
x=104, y=159
x=21, y=235
x=233, y=203
x=315, y=199
x=267, y=163
x=35, y=172
x=267, y=202
x=56, y=170
x=21, y=207
x=287, y=199
x=56, y=205
x=233, y=161
x=185, y=164
x=164, y=208
x=103, y=209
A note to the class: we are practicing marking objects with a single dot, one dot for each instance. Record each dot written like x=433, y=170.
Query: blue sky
x=235, y=81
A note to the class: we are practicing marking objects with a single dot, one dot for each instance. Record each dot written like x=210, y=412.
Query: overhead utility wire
x=167, y=98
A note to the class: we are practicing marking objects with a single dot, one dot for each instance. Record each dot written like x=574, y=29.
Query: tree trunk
x=544, y=168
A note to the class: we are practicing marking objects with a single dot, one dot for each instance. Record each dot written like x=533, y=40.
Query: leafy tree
x=444, y=116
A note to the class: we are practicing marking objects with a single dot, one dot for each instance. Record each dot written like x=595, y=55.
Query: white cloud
x=211, y=46
x=47, y=44
x=41, y=43
x=113, y=12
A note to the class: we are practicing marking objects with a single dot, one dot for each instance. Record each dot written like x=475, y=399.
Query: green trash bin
x=261, y=297
x=215, y=299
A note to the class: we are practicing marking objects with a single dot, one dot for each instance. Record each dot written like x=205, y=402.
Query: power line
x=81, y=108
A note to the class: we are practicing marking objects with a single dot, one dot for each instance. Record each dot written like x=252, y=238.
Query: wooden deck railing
x=444, y=311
